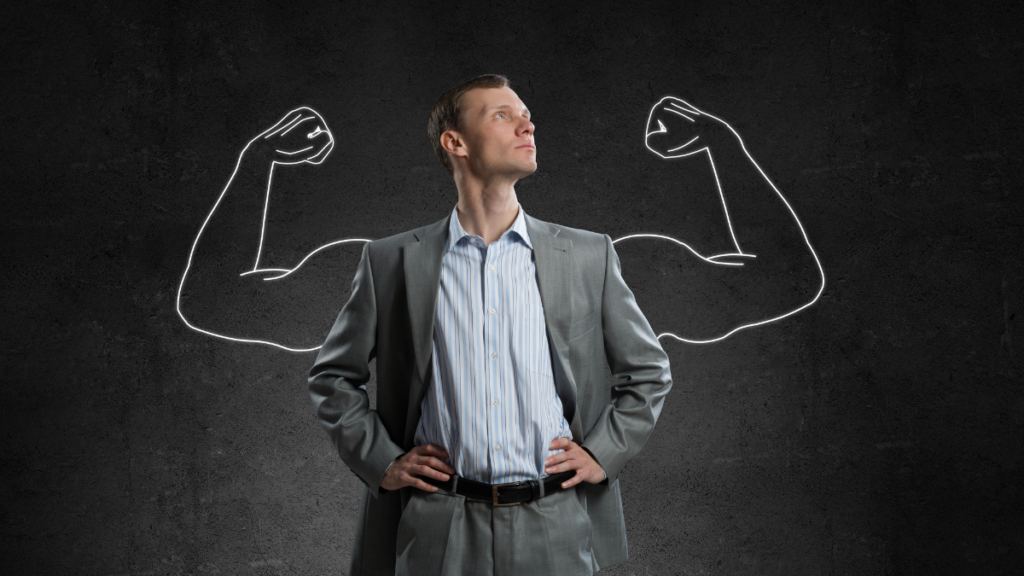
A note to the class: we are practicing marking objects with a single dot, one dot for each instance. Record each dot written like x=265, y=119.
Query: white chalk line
x=686, y=106
x=287, y=123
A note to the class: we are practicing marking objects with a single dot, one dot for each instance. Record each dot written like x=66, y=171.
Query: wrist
x=386, y=470
x=604, y=475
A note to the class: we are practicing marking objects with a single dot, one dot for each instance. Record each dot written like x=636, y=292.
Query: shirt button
x=495, y=400
x=494, y=311
x=494, y=354
x=497, y=447
x=492, y=266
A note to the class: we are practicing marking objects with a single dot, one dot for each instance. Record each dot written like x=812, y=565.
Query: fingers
x=681, y=105
x=412, y=476
x=322, y=154
x=420, y=462
x=418, y=483
x=432, y=449
x=424, y=470
x=556, y=458
x=294, y=152
x=573, y=458
x=429, y=455
x=559, y=457
x=298, y=123
x=438, y=465
x=674, y=129
x=678, y=148
x=677, y=112
x=292, y=120
x=560, y=443
x=286, y=121
x=661, y=128
x=563, y=461
x=574, y=480
x=283, y=127
x=317, y=130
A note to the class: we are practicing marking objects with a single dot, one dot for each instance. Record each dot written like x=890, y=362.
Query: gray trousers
x=445, y=534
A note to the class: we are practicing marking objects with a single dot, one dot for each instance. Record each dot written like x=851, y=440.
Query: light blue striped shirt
x=492, y=405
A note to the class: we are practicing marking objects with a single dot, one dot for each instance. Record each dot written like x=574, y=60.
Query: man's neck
x=487, y=210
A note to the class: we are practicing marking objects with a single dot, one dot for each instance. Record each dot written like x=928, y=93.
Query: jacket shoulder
x=578, y=236
x=393, y=243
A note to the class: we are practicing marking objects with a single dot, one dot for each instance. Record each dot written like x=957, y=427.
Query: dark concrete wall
x=878, y=432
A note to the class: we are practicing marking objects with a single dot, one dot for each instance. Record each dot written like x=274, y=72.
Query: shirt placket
x=492, y=279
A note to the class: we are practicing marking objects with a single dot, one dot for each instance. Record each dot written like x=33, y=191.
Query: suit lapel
x=553, y=256
x=422, y=259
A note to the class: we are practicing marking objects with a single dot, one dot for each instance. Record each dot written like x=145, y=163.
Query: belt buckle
x=494, y=494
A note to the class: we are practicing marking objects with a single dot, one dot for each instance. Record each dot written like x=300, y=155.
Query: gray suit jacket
x=591, y=318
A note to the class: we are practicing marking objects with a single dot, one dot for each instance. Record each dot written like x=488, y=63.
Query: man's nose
x=526, y=127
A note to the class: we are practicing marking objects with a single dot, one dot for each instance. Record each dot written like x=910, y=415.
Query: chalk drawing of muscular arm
x=771, y=273
x=224, y=291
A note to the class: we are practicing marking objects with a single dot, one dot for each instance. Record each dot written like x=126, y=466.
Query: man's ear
x=452, y=142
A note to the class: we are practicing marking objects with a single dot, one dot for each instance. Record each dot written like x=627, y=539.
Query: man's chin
x=516, y=171
x=527, y=170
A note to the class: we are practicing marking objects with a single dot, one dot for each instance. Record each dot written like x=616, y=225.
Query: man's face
x=497, y=134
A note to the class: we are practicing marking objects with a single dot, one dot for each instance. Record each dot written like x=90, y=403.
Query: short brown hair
x=447, y=112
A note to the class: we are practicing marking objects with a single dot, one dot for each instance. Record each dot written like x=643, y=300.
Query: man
x=493, y=449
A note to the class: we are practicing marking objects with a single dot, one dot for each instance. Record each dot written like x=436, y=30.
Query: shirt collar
x=456, y=232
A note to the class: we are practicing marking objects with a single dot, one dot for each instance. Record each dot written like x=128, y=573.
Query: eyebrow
x=504, y=107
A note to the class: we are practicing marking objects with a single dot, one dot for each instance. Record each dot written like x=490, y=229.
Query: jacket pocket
x=583, y=325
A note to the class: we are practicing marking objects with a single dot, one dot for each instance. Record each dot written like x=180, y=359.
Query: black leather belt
x=509, y=494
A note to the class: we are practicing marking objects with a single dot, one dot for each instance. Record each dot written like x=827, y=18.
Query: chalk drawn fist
x=676, y=128
x=300, y=136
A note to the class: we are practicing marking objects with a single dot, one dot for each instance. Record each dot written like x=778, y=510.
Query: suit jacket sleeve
x=636, y=357
x=337, y=384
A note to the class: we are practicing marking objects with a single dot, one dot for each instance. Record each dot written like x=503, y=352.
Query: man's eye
x=499, y=114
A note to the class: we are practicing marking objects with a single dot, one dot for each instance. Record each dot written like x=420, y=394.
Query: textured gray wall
x=878, y=432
